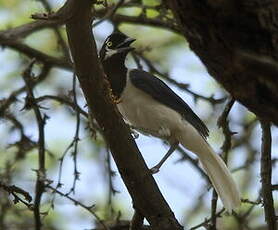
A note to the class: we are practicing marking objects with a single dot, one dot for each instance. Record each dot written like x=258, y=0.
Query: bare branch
x=193, y=162
x=14, y=190
x=59, y=36
x=275, y=187
x=33, y=53
x=224, y=124
x=89, y=208
x=206, y=222
x=63, y=100
x=5, y=103
x=155, y=22
x=76, y=135
x=182, y=86
x=110, y=13
x=31, y=103
x=24, y=30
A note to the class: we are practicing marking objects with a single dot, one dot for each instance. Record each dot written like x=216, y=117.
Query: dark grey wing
x=162, y=93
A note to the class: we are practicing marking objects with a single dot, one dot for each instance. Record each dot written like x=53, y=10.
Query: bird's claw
x=154, y=170
x=117, y=100
x=134, y=134
x=114, y=98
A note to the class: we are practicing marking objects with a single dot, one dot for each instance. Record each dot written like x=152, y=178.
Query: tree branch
x=266, y=173
x=237, y=44
x=89, y=208
x=24, y=30
x=33, y=53
x=59, y=36
x=31, y=103
x=14, y=190
x=131, y=165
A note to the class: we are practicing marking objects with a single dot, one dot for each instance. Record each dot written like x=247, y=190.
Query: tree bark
x=266, y=176
x=238, y=43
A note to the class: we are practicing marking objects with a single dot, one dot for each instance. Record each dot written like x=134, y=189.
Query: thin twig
x=15, y=190
x=78, y=203
x=111, y=189
x=63, y=100
x=40, y=185
x=76, y=136
x=110, y=13
x=246, y=201
x=193, y=162
x=5, y=103
x=242, y=218
x=206, y=222
x=181, y=86
x=59, y=36
x=224, y=124
x=275, y=187
x=73, y=144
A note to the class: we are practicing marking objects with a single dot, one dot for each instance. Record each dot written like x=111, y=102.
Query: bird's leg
x=134, y=133
x=156, y=168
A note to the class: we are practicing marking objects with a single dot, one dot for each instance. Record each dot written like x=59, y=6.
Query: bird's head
x=115, y=44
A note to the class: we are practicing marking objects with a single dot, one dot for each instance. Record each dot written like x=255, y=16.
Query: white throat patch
x=109, y=53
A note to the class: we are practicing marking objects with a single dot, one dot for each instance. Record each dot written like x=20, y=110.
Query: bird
x=151, y=107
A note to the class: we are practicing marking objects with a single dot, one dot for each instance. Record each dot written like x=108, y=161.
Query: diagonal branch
x=33, y=53
x=181, y=86
x=89, y=208
x=130, y=163
x=24, y=30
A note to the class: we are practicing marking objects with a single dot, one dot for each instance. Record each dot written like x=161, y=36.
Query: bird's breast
x=147, y=114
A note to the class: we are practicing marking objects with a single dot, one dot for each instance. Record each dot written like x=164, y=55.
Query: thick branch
x=95, y=88
x=237, y=42
x=266, y=173
x=33, y=53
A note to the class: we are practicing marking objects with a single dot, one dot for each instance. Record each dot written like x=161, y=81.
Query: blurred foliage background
x=93, y=179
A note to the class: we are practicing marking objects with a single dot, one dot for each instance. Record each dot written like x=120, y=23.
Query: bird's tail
x=216, y=170
x=221, y=179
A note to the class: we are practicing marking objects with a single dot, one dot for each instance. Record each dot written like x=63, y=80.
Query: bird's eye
x=109, y=44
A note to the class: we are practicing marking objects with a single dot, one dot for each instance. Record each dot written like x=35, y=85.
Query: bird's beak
x=126, y=42
x=124, y=46
x=124, y=50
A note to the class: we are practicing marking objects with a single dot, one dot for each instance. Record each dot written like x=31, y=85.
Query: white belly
x=148, y=115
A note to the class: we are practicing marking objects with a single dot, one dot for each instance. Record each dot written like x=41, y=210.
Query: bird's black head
x=116, y=43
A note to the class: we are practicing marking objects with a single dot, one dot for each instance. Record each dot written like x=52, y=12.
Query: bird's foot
x=134, y=133
x=154, y=170
x=114, y=98
x=117, y=100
